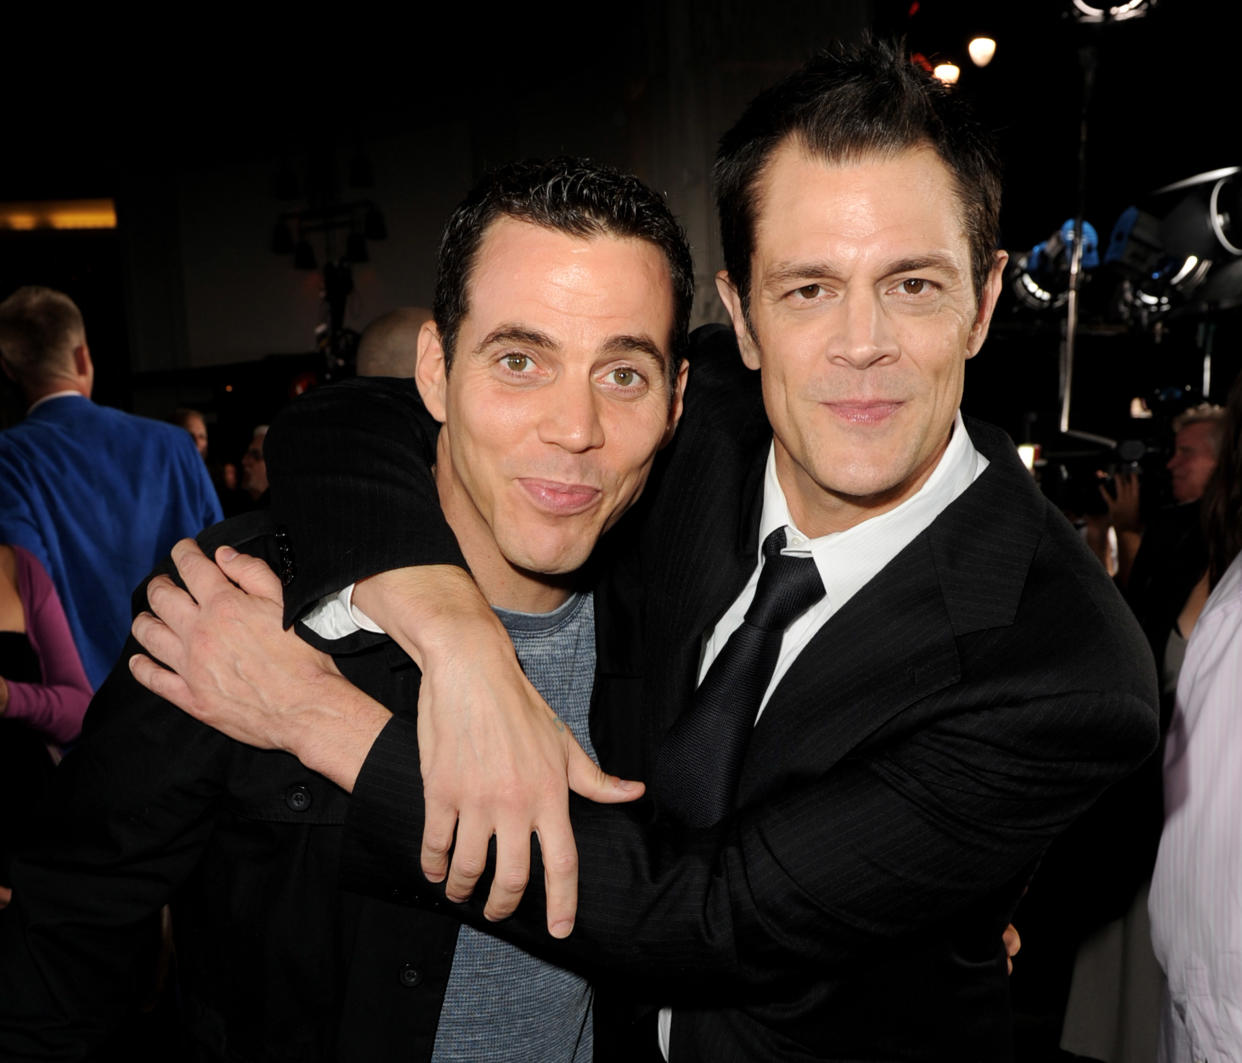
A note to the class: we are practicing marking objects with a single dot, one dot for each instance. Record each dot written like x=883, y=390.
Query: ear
x=741, y=329
x=431, y=370
x=987, y=304
x=84, y=369
x=679, y=395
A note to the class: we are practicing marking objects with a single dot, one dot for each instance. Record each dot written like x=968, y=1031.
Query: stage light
x=1041, y=275
x=1093, y=11
x=1183, y=244
x=981, y=50
x=947, y=72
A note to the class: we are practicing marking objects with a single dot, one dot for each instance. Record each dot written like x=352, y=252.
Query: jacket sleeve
x=352, y=491
x=887, y=844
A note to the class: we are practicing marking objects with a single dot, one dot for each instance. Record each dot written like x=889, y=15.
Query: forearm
x=796, y=879
x=54, y=710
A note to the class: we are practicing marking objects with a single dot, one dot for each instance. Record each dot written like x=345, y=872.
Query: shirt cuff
x=336, y=617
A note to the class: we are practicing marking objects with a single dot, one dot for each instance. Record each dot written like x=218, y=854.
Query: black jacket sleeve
x=352, y=488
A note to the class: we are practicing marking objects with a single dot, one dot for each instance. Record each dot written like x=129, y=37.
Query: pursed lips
x=558, y=497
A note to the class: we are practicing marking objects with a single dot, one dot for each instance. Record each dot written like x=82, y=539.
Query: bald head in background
x=388, y=344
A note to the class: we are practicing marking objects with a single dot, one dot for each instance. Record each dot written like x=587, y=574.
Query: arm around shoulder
x=352, y=488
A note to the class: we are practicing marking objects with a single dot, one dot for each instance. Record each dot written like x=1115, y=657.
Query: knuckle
x=470, y=867
x=512, y=881
x=437, y=844
x=562, y=862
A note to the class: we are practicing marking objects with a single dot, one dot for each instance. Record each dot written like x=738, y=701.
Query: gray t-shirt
x=502, y=1004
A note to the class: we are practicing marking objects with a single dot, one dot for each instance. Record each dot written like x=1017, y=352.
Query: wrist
x=430, y=611
x=333, y=735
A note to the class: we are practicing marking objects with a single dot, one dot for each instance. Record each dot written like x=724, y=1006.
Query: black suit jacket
x=937, y=734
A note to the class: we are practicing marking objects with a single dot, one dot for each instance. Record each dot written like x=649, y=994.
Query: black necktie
x=698, y=764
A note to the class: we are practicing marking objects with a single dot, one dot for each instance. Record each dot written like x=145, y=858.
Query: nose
x=863, y=336
x=571, y=416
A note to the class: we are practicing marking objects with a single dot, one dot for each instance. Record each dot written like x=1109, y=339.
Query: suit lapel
x=888, y=646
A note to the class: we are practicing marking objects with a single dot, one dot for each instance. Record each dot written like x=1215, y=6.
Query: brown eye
x=518, y=363
x=914, y=286
x=626, y=377
x=809, y=291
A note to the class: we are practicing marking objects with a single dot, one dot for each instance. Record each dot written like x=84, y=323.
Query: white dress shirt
x=1196, y=889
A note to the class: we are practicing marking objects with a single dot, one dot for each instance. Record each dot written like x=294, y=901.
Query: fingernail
x=132, y=661
x=562, y=929
x=226, y=553
x=627, y=784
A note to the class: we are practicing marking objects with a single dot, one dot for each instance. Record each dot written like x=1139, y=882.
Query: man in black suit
x=967, y=684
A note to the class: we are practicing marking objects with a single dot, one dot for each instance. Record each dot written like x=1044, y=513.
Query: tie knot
x=787, y=586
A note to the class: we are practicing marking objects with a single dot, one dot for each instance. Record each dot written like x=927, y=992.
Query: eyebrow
x=615, y=345
x=944, y=263
x=627, y=344
x=787, y=272
x=515, y=334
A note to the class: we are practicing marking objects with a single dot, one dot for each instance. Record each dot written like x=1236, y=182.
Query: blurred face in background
x=1193, y=461
x=254, y=468
x=197, y=428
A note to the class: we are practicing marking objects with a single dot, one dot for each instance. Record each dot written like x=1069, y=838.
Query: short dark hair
x=847, y=103
x=571, y=196
x=39, y=329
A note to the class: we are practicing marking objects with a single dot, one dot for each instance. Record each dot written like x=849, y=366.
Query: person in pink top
x=43, y=694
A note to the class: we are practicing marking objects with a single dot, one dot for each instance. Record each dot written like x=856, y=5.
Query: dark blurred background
x=214, y=137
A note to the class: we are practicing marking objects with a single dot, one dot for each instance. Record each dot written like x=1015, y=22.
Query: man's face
x=864, y=315
x=198, y=432
x=555, y=405
x=254, y=468
x=1194, y=459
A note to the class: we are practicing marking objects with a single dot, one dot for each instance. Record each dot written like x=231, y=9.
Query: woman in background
x=43, y=696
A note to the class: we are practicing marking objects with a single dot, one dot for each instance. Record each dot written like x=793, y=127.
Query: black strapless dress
x=25, y=764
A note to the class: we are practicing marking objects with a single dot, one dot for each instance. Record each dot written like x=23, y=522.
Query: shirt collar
x=848, y=560
x=48, y=398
